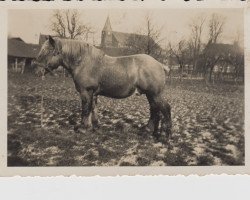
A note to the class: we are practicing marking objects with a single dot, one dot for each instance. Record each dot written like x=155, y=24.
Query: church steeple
x=107, y=26
x=107, y=38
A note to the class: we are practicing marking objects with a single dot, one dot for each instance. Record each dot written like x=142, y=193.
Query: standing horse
x=95, y=73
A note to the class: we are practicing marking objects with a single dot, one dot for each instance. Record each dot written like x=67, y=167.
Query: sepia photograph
x=125, y=87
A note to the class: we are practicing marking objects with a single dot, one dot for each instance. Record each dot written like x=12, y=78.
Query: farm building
x=229, y=56
x=21, y=54
x=116, y=43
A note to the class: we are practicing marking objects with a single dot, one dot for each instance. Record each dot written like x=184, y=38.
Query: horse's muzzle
x=45, y=68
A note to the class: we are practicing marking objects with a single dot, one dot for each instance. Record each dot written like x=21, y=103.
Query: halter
x=44, y=67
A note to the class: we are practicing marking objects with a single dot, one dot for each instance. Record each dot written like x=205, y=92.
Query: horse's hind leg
x=94, y=112
x=154, y=119
x=166, y=123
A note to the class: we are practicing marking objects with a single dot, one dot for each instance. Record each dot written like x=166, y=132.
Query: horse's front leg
x=87, y=101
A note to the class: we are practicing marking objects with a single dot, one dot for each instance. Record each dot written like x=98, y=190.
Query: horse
x=95, y=73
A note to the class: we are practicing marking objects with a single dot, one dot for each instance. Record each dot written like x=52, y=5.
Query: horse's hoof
x=167, y=133
x=81, y=129
x=147, y=129
x=76, y=128
x=156, y=136
x=96, y=126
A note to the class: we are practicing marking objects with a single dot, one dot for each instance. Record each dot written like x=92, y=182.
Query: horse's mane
x=73, y=50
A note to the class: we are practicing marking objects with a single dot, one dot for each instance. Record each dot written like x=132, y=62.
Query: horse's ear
x=51, y=41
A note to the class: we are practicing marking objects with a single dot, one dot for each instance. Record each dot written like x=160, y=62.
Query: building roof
x=222, y=49
x=17, y=38
x=124, y=38
x=107, y=26
x=17, y=48
x=42, y=39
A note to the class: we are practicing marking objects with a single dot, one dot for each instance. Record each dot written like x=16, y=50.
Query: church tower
x=107, y=34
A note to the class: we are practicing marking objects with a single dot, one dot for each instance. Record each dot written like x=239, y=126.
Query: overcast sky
x=28, y=24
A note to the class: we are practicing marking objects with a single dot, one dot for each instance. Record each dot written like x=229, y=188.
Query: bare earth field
x=208, y=126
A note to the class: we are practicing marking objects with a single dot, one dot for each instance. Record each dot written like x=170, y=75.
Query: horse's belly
x=117, y=84
x=117, y=91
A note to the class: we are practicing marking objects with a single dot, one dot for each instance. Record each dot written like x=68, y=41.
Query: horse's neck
x=94, y=57
x=68, y=68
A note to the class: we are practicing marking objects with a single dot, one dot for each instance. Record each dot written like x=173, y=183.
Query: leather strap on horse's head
x=56, y=49
x=45, y=67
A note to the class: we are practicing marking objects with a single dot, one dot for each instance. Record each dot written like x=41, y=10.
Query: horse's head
x=49, y=56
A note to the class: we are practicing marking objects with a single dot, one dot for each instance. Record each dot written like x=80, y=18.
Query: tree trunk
x=181, y=70
x=210, y=73
x=16, y=65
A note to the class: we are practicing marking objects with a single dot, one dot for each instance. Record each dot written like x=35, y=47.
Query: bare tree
x=152, y=32
x=148, y=41
x=195, y=42
x=215, y=25
x=213, y=52
x=180, y=53
x=67, y=24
